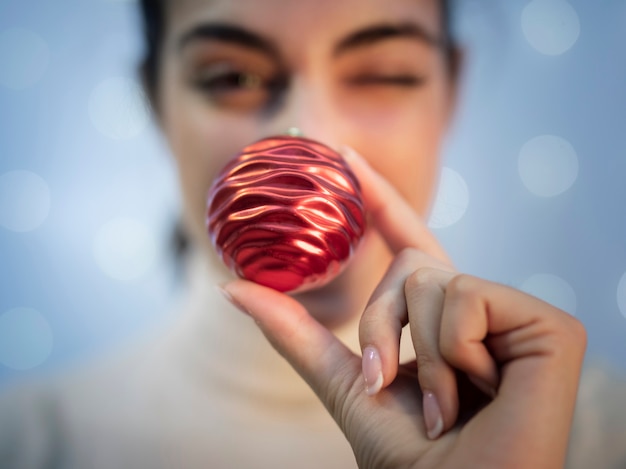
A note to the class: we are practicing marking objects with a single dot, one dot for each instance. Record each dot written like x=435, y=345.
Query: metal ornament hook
x=294, y=132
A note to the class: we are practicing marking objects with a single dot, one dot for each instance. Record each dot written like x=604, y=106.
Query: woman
x=497, y=370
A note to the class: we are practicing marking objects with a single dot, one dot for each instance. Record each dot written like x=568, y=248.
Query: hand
x=523, y=354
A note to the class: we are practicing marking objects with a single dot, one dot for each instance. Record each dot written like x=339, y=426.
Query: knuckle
x=369, y=326
x=565, y=334
x=426, y=363
x=339, y=394
x=578, y=330
x=420, y=279
x=463, y=285
x=370, y=317
x=575, y=331
x=427, y=376
x=369, y=322
x=376, y=319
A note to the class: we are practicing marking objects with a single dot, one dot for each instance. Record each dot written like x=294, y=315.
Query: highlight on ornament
x=286, y=213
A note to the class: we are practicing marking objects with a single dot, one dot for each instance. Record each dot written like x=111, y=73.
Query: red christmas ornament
x=286, y=213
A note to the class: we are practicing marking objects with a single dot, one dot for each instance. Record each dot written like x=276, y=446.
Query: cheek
x=411, y=164
x=201, y=143
x=404, y=146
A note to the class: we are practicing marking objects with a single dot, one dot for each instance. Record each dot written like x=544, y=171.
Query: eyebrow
x=382, y=32
x=371, y=35
x=228, y=33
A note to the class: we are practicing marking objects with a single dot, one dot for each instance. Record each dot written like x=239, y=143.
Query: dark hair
x=449, y=42
x=153, y=15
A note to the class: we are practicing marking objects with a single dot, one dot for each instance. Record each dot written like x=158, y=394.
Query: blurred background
x=532, y=191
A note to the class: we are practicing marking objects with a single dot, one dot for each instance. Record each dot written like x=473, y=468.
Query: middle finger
x=425, y=293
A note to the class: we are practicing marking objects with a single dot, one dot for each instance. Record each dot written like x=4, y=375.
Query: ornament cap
x=294, y=132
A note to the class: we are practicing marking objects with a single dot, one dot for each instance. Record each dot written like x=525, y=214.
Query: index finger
x=398, y=223
x=319, y=357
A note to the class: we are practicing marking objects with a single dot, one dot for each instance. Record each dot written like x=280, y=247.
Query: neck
x=232, y=351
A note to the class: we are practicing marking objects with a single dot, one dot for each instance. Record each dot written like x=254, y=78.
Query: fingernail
x=432, y=415
x=231, y=300
x=483, y=385
x=372, y=370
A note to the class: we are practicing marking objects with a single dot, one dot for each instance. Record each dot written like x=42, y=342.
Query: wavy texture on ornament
x=286, y=213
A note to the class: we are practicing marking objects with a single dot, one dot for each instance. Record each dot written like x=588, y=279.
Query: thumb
x=396, y=220
x=325, y=363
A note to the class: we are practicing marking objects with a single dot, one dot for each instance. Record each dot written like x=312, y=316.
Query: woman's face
x=369, y=74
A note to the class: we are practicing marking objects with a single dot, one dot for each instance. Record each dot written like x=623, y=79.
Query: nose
x=306, y=109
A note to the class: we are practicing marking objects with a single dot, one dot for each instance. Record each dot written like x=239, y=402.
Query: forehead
x=301, y=19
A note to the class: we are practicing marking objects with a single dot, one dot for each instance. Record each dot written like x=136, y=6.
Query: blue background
x=69, y=114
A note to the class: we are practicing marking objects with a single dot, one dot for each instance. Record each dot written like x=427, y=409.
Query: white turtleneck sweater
x=207, y=391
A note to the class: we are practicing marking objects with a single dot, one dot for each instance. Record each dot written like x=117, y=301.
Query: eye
x=229, y=82
x=235, y=89
x=408, y=81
